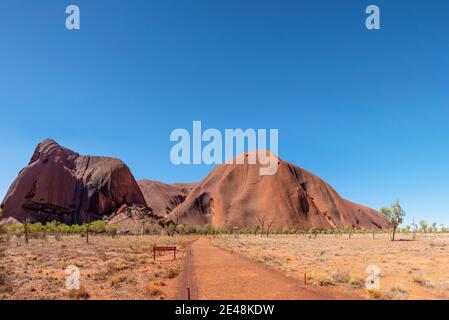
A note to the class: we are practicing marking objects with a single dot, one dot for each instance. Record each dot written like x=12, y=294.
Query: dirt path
x=215, y=273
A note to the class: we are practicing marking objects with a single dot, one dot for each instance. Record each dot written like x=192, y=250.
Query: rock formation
x=59, y=184
x=236, y=195
x=162, y=197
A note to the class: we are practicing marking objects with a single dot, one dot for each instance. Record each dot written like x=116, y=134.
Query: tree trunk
x=394, y=232
x=26, y=230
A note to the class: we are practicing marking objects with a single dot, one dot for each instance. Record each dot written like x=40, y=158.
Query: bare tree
x=261, y=220
x=269, y=227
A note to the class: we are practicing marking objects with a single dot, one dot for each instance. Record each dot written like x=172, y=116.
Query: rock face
x=132, y=219
x=59, y=184
x=235, y=195
x=164, y=197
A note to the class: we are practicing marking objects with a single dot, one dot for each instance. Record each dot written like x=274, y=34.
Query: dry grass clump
x=160, y=283
x=340, y=276
x=118, y=279
x=79, y=294
x=172, y=272
x=322, y=279
x=356, y=281
x=376, y=294
x=117, y=265
x=423, y=282
x=153, y=291
x=398, y=292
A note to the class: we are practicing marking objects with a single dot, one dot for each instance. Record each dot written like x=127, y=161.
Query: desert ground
x=110, y=268
x=226, y=267
x=410, y=269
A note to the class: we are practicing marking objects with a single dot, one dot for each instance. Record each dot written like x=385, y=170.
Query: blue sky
x=366, y=110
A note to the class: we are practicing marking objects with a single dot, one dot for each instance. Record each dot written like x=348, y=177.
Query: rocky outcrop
x=163, y=197
x=132, y=219
x=59, y=184
x=236, y=195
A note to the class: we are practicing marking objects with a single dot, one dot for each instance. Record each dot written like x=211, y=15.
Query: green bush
x=98, y=226
x=53, y=226
x=74, y=228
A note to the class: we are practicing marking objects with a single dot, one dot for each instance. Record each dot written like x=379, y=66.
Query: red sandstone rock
x=163, y=198
x=59, y=184
x=234, y=195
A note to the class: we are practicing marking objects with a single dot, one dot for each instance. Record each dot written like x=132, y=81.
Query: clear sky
x=368, y=111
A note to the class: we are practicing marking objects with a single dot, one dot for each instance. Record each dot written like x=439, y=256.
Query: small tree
x=434, y=228
x=269, y=227
x=172, y=228
x=424, y=226
x=394, y=215
x=261, y=223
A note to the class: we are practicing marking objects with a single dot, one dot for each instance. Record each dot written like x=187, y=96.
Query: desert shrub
x=172, y=272
x=117, y=280
x=80, y=294
x=112, y=230
x=15, y=229
x=117, y=265
x=152, y=229
x=152, y=290
x=75, y=229
x=63, y=228
x=341, y=276
x=376, y=294
x=98, y=226
x=52, y=226
x=171, y=228
x=397, y=289
x=35, y=227
x=423, y=282
x=3, y=230
x=356, y=281
x=322, y=279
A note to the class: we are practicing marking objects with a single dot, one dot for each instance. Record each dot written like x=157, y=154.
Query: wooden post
x=188, y=293
x=26, y=230
x=305, y=278
x=87, y=233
